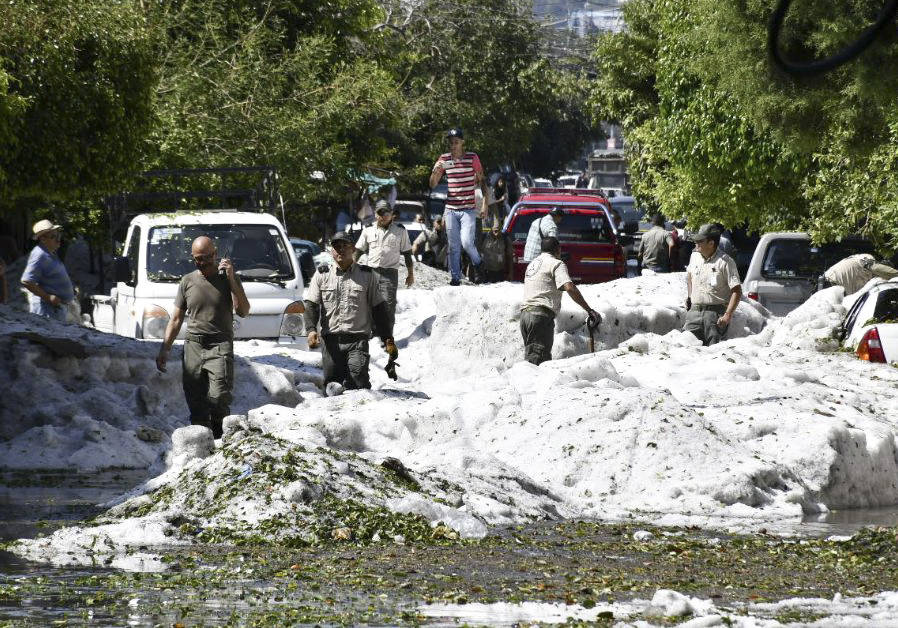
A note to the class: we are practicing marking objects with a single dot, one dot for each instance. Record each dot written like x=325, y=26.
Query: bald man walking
x=209, y=295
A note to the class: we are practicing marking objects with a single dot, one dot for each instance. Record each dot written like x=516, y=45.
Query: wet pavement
x=211, y=586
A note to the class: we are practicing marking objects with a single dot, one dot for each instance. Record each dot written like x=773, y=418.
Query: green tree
x=716, y=133
x=76, y=90
x=278, y=82
x=482, y=65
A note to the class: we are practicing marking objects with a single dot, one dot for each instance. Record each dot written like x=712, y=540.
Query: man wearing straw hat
x=45, y=276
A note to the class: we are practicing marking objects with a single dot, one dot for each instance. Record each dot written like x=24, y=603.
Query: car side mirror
x=122, y=270
x=631, y=226
x=625, y=240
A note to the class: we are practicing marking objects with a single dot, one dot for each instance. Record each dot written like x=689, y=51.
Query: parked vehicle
x=870, y=328
x=157, y=255
x=633, y=218
x=786, y=267
x=567, y=181
x=590, y=242
x=408, y=213
x=306, y=251
x=540, y=182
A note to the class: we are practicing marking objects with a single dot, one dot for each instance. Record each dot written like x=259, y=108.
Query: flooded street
x=571, y=566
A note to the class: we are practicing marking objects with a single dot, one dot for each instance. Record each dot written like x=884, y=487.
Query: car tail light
x=870, y=347
x=753, y=296
x=293, y=324
x=155, y=320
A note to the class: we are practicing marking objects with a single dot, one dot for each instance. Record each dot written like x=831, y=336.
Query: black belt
x=541, y=310
x=348, y=336
x=208, y=339
x=701, y=307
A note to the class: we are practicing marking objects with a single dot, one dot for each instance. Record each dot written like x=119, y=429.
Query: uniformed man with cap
x=345, y=302
x=713, y=288
x=385, y=242
x=45, y=276
x=545, y=279
x=545, y=227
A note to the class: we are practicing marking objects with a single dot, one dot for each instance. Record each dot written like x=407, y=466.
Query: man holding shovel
x=545, y=279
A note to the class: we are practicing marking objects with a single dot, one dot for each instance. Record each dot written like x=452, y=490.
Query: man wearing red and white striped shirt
x=465, y=175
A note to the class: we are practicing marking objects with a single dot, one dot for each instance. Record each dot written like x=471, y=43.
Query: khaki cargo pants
x=208, y=377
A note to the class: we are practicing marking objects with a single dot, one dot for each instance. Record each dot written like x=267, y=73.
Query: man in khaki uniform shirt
x=350, y=304
x=713, y=288
x=385, y=242
x=546, y=277
x=853, y=272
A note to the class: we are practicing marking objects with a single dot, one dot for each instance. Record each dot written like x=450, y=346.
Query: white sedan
x=870, y=328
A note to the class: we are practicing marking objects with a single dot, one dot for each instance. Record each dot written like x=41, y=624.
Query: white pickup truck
x=157, y=255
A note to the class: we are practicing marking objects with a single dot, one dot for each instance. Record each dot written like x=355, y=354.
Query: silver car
x=786, y=267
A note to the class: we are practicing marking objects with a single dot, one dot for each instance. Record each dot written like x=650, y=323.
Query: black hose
x=824, y=65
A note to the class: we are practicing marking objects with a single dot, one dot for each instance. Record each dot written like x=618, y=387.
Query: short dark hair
x=658, y=219
x=550, y=245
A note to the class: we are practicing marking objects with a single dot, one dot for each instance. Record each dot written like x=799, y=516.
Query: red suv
x=590, y=242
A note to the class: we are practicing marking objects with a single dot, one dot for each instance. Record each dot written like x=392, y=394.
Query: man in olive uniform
x=546, y=277
x=385, y=242
x=209, y=295
x=713, y=288
x=347, y=299
x=497, y=255
x=432, y=244
x=656, y=247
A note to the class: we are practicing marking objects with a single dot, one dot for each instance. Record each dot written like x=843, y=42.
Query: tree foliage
x=77, y=79
x=482, y=65
x=716, y=133
x=91, y=93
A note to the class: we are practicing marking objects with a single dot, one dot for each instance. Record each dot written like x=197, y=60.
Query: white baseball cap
x=43, y=226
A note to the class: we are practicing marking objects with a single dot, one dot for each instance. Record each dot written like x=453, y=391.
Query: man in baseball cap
x=464, y=175
x=713, y=288
x=342, y=325
x=386, y=244
x=45, y=276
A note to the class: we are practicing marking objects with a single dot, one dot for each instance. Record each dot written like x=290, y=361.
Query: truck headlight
x=293, y=324
x=155, y=320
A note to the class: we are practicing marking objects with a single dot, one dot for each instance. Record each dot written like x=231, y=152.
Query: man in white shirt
x=543, y=227
x=545, y=279
x=385, y=242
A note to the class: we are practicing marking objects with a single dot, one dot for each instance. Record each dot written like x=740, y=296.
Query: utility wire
x=858, y=46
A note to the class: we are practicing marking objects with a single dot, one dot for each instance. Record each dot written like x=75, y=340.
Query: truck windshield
x=579, y=227
x=257, y=251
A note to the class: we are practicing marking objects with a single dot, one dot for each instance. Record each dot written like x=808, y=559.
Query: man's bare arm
x=171, y=332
